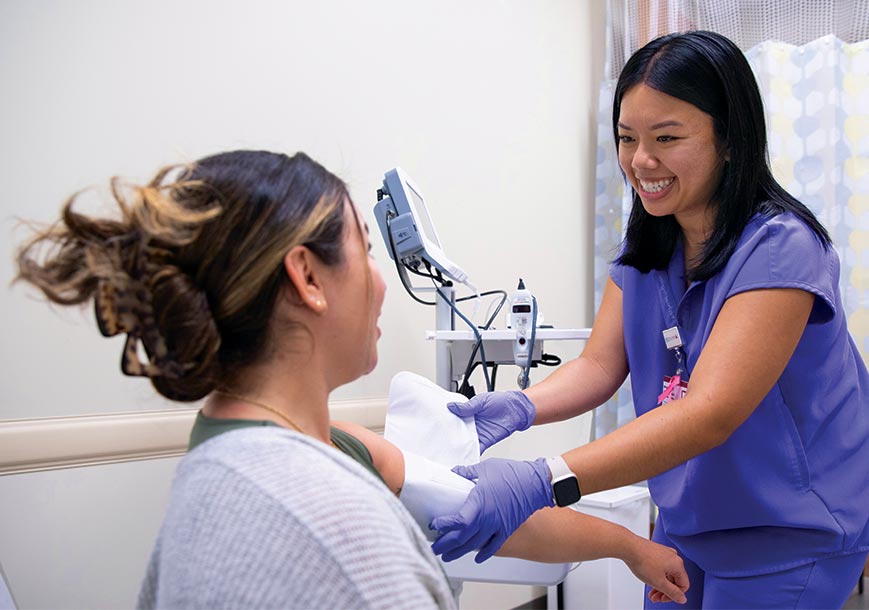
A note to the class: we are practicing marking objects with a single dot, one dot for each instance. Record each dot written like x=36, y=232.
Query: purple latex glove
x=506, y=494
x=497, y=415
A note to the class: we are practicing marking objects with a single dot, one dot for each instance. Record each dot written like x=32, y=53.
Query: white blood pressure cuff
x=417, y=420
x=431, y=490
x=433, y=440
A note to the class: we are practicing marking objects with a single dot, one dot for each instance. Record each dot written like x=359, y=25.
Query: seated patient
x=243, y=278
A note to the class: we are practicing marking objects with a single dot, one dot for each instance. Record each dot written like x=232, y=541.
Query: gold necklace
x=280, y=414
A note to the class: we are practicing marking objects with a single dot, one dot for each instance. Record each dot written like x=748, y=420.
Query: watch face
x=566, y=491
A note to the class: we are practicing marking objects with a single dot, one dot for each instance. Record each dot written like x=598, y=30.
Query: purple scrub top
x=791, y=484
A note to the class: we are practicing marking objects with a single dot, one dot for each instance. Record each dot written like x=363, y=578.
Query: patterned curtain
x=816, y=99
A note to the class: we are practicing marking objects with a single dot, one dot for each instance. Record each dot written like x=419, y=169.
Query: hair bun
x=140, y=291
x=188, y=362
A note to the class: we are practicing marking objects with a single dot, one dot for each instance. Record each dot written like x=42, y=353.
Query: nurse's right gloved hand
x=497, y=415
x=506, y=494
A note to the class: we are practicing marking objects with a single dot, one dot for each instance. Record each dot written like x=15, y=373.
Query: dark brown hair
x=193, y=265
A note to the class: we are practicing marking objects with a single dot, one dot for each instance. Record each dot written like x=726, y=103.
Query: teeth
x=654, y=187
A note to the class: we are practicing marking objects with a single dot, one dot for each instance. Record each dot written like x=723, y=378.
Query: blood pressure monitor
x=407, y=228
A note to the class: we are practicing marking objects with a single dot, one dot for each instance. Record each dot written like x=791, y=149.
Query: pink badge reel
x=674, y=389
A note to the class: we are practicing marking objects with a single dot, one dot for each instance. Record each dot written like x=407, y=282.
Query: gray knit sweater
x=268, y=518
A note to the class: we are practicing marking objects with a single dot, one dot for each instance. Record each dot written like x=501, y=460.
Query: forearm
x=753, y=339
x=588, y=381
x=649, y=445
x=563, y=535
x=573, y=389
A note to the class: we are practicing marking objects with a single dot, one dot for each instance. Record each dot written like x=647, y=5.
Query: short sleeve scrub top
x=791, y=484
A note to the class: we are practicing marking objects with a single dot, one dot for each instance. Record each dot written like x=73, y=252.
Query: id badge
x=674, y=389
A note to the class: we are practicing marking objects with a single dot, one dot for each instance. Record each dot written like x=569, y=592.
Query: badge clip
x=672, y=338
x=673, y=341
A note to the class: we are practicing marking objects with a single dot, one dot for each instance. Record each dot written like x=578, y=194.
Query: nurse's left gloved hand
x=506, y=494
x=497, y=415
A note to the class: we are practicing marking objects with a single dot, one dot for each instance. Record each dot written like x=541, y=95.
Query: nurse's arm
x=555, y=535
x=591, y=379
x=753, y=339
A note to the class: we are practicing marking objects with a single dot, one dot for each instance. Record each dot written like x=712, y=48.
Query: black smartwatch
x=565, y=487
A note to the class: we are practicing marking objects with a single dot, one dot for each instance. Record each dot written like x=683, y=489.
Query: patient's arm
x=388, y=459
x=556, y=535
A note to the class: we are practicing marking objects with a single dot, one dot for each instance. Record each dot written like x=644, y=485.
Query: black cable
x=497, y=309
x=431, y=276
x=398, y=268
x=438, y=277
x=476, y=332
x=466, y=388
x=549, y=360
x=472, y=369
x=474, y=366
x=414, y=270
x=485, y=294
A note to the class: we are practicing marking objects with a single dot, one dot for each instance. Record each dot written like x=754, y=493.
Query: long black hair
x=709, y=72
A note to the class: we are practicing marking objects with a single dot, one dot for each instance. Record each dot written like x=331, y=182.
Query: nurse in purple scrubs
x=723, y=306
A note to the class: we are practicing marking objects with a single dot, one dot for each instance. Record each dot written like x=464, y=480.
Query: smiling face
x=670, y=154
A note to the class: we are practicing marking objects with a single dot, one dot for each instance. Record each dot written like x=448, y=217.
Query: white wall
x=488, y=104
x=80, y=538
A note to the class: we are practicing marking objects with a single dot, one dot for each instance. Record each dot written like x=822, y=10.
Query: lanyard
x=672, y=338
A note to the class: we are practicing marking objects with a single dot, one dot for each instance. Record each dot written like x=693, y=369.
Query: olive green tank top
x=206, y=427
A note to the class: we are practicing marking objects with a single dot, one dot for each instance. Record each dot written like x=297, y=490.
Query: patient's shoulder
x=295, y=471
x=387, y=458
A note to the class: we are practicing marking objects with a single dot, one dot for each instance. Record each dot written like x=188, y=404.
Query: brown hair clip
x=130, y=312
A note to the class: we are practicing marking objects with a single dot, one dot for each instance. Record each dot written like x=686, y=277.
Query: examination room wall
x=489, y=105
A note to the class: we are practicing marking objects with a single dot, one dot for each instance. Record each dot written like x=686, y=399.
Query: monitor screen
x=421, y=212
